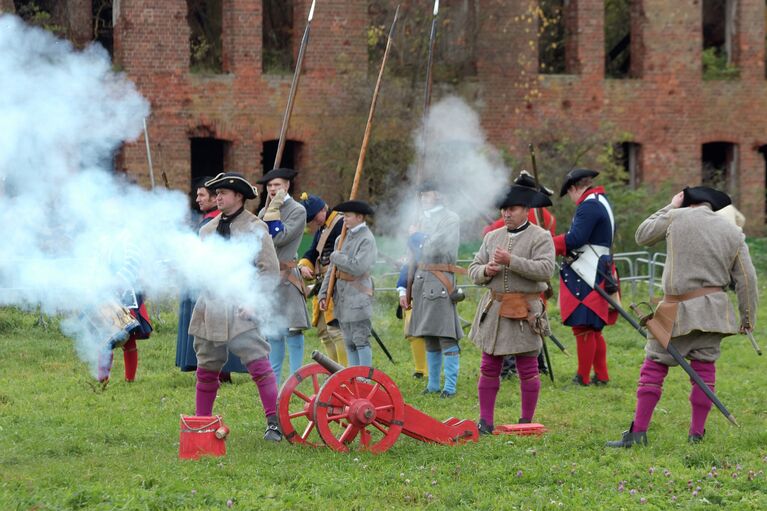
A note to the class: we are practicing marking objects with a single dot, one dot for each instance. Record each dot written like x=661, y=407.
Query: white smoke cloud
x=452, y=150
x=67, y=220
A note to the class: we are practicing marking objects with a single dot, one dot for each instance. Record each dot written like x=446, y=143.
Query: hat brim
x=573, y=177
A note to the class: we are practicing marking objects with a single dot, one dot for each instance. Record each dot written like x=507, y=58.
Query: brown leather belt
x=449, y=268
x=287, y=274
x=661, y=324
x=355, y=281
x=695, y=293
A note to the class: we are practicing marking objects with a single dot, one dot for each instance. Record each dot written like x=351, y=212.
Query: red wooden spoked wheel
x=295, y=404
x=359, y=402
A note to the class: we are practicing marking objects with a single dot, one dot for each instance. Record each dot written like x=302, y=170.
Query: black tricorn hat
x=700, y=194
x=526, y=179
x=518, y=195
x=354, y=206
x=232, y=181
x=573, y=177
x=277, y=173
x=428, y=185
x=199, y=182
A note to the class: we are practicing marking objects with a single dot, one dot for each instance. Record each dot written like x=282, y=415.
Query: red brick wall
x=670, y=110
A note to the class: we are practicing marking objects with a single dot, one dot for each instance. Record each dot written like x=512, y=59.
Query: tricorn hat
x=700, y=194
x=199, y=182
x=354, y=206
x=312, y=204
x=428, y=185
x=277, y=173
x=233, y=181
x=573, y=177
x=518, y=195
x=526, y=179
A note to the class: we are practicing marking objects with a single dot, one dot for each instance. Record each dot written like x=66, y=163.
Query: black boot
x=696, y=439
x=630, y=438
x=578, y=380
x=597, y=381
x=273, y=432
x=524, y=421
x=484, y=428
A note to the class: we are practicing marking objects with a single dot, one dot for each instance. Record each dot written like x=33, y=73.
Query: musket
x=548, y=360
x=293, y=89
x=669, y=347
x=558, y=344
x=382, y=345
x=536, y=211
x=148, y=154
x=411, y=264
x=364, y=148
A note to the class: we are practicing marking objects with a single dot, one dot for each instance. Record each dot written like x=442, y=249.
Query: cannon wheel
x=295, y=404
x=359, y=401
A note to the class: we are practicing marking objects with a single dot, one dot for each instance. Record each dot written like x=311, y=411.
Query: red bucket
x=202, y=436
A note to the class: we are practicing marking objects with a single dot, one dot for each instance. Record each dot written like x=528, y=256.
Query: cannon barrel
x=326, y=362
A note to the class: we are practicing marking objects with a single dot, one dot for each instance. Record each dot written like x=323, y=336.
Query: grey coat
x=703, y=250
x=434, y=314
x=530, y=268
x=291, y=299
x=219, y=322
x=357, y=257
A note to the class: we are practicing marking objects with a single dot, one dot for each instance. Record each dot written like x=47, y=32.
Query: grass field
x=66, y=445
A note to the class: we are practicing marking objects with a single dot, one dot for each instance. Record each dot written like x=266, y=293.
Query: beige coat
x=703, y=250
x=215, y=321
x=530, y=268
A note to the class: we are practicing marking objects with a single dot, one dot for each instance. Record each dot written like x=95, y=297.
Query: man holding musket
x=219, y=327
x=326, y=226
x=515, y=264
x=286, y=219
x=705, y=253
x=353, y=289
x=588, y=263
x=434, y=291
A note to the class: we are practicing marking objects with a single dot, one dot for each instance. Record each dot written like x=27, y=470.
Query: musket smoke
x=457, y=155
x=66, y=217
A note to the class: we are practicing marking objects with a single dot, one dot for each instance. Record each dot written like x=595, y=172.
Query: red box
x=198, y=437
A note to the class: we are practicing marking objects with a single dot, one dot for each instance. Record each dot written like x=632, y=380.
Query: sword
x=382, y=345
x=548, y=360
x=558, y=344
x=750, y=335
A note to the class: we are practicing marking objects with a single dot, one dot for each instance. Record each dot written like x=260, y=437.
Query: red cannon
x=340, y=405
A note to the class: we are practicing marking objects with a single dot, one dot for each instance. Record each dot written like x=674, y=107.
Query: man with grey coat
x=353, y=291
x=434, y=316
x=286, y=219
x=219, y=326
x=705, y=252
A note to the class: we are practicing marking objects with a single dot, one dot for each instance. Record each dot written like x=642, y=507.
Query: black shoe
x=524, y=421
x=696, y=439
x=446, y=395
x=484, y=428
x=273, y=433
x=578, y=380
x=630, y=438
x=427, y=392
x=597, y=381
x=418, y=375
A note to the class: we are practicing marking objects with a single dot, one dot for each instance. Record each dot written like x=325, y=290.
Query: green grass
x=66, y=445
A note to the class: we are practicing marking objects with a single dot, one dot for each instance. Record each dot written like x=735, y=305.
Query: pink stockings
x=489, y=383
x=261, y=372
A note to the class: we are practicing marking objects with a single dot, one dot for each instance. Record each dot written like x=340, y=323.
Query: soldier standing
x=515, y=264
x=326, y=226
x=434, y=315
x=706, y=252
x=286, y=219
x=353, y=292
x=588, y=243
x=219, y=327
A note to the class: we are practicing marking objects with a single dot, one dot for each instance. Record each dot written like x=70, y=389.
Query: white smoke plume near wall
x=452, y=150
x=67, y=219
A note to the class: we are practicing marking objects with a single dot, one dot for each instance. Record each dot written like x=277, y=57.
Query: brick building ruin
x=684, y=83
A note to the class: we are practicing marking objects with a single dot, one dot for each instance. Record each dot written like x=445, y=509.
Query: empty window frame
x=277, y=37
x=623, y=38
x=205, y=36
x=557, y=36
x=719, y=167
x=719, y=39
